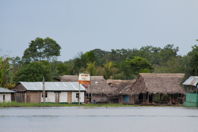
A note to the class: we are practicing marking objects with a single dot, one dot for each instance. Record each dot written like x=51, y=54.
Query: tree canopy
x=41, y=49
x=39, y=60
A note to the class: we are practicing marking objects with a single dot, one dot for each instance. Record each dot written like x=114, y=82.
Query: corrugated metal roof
x=5, y=90
x=192, y=80
x=53, y=86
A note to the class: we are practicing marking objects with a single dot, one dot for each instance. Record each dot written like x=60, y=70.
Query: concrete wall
x=63, y=97
x=51, y=97
x=74, y=99
x=7, y=97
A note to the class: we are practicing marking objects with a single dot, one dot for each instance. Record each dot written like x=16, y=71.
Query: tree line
x=40, y=60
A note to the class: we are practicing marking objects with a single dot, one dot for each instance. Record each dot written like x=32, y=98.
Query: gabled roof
x=192, y=81
x=5, y=90
x=121, y=86
x=53, y=86
x=74, y=78
x=165, y=83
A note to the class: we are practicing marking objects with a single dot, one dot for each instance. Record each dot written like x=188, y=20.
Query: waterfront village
x=146, y=89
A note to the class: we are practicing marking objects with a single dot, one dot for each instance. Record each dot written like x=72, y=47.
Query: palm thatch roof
x=120, y=86
x=74, y=78
x=98, y=84
x=164, y=83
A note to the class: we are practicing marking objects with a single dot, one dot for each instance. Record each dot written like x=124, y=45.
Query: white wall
x=74, y=99
x=63, y=97
x=7, y=97
x=50, y=97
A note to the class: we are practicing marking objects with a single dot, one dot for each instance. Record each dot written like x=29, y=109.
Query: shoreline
x=16, y=104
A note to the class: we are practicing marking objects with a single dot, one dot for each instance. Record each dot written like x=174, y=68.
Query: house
x=192, y=91
x=97, y=92
x=56, y=92
x=6, y=95
x=155, y=88
x=120, y=90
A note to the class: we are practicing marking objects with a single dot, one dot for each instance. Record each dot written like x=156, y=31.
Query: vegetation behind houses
x=40, y=59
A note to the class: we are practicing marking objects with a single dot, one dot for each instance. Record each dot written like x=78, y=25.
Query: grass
x=16, y=104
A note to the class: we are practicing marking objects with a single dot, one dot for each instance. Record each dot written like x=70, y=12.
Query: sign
x=84, y=78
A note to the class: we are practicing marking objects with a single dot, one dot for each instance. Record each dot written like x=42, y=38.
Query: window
x=3, y=97
x=45, y=94
x=77, y=95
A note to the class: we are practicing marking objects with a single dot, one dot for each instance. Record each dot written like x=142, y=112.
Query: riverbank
x=16, y=104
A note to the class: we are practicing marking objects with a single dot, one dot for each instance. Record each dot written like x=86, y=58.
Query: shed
x=5, y=95
x=59, y=92
x=192, y=91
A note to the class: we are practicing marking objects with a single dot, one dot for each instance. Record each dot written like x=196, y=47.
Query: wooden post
x=79, y=95
x=43, y=90
x=147, y=98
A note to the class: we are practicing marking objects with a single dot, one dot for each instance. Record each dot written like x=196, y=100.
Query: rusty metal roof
x=192, y=80
x=53, y=86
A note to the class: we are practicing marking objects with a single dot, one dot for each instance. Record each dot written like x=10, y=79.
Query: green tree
x=4, y=71
x=34, y=71
x=42, y=49
x=91, y=68
x=138, y=64
x=109, y=70
x=192, y=63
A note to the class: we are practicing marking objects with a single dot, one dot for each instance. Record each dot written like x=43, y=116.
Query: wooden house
x=56, y=92
x=155, y=88
x=6, y=95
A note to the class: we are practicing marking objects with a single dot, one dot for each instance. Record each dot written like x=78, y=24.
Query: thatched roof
x=68, y=78
x=120, y=86
x=98, y=84
x=74, y=78
x=165, y=83
x=100, y=87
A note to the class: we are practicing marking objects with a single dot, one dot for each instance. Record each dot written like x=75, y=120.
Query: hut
x=156, y=88
x=120, y=90
x=98, y=92
x=56, y=92
x=192, y=91
x=6, y=95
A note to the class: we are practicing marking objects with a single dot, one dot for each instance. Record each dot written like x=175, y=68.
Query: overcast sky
x=82, y=25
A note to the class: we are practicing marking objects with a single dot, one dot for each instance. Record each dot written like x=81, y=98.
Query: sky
x=83, y=25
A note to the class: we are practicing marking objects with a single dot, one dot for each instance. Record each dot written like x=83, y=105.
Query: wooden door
x=69, y=97
x=57, y=97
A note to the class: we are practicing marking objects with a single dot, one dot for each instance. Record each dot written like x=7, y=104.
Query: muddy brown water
x=84, y=119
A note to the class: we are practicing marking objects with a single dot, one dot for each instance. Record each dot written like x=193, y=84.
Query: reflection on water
x=75, y=119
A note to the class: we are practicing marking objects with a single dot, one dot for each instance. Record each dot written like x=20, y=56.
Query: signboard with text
x=84, y=78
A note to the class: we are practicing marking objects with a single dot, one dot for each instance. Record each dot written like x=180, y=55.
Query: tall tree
x=192, y=63
x=42, y=49
x=139, y=64
x=4, y=71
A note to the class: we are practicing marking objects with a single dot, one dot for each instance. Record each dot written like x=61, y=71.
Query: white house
x=59, y=92
x=5, y=95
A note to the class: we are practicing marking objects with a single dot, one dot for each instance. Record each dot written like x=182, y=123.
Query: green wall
x=191, y=100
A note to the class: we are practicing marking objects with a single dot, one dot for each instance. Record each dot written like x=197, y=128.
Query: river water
x=84, y=119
